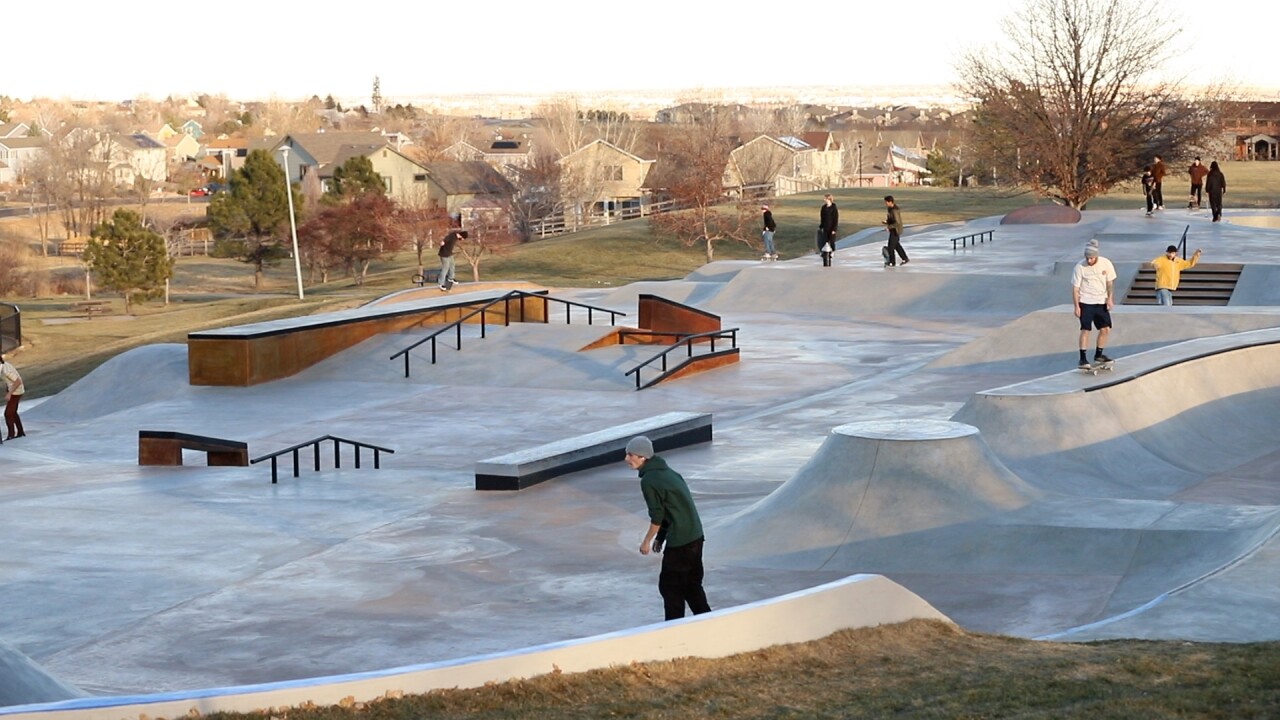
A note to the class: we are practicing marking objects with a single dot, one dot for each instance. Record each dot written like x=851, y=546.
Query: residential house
x=788, y=164
x=133, y=158
x=405, y=179
x=182, y=148
x=16, y=155
x=317, y=152
x=223, y=155
x=470, y=189
x=192, y=128
x=505, y=155
x=601, y=177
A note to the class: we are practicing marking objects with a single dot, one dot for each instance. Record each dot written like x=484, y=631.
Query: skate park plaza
x=868, y=445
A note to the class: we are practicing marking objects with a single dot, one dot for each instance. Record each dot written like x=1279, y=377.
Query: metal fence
x=10, y=327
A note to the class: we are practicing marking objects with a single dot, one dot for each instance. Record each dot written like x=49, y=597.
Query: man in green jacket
x=673, y=518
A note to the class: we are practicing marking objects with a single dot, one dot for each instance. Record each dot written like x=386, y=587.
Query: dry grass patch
x=919, y=669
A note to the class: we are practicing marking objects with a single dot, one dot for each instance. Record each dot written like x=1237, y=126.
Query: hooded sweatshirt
x=670, y=502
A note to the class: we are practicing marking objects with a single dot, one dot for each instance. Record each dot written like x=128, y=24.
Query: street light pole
x=859, y=163
x=293, y=223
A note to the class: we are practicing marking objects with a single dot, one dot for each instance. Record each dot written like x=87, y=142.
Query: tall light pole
x=293, y=223
x=859, y=163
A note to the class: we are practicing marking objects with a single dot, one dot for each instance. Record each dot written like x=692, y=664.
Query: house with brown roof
x=788, y=164
x=602, y=177
x=506, y=155
x=466, y=188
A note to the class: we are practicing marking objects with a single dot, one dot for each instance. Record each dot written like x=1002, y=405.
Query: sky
x=284, y=49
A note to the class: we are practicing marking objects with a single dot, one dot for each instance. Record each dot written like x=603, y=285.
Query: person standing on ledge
x=673, y=518
x=13, y=392
x=1169, y=269
x=1092, y=285
x=447, y=263
x=828, y=222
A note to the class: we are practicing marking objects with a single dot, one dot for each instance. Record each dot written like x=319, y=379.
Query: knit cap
x=640, y=446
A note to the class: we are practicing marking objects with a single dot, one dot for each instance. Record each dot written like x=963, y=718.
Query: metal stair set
x=1204, y=284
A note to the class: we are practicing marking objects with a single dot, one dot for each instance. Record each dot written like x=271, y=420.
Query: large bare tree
x=1074, y=104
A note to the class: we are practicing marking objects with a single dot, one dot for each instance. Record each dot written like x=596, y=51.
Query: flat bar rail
x=685, y=341
x=314, y=444
x=975, y=238
x=482, y=311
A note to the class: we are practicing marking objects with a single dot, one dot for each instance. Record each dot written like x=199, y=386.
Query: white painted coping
x=854, y=602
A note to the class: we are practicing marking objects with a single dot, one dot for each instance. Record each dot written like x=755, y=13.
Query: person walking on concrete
x=1169, y=269
x=893, y=223
x=1197, y=171
x=770, y=253
x=828, y=223
x=673, y=518
x=1215, y=186
x=1148, y=187
x=1158, y=171
x=447, y=263
x=13, y=392
x=1092, y=285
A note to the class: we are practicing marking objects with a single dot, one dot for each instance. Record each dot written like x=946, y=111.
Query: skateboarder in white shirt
x=1092, y=285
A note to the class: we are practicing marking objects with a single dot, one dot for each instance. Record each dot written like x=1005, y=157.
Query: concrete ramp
x=807, y=288
x=1179, y=414
x=873, y=480
x=136, y=377
x=23, y=682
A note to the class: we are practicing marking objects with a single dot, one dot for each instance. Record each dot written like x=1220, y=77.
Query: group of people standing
x=829, y=224
x=1204, y=181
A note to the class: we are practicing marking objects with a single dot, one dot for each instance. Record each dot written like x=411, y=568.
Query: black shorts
x=1092, y=316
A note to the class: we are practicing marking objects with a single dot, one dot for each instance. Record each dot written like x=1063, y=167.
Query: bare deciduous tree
x=1072, y=106
x=700, y=156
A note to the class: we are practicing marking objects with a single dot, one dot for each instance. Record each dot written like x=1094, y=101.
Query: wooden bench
x=428, y=277
x=523, y=468
x=89, y=308
x=159, y=447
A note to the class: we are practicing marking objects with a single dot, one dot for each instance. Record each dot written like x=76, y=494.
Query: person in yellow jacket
x=1169, y=269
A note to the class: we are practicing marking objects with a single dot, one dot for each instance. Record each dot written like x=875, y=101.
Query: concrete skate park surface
x=923, y=422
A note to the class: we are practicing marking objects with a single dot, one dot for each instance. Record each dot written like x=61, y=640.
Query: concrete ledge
x=161, y=447
x=520, y=469
x=1042, y=215
x=855, y=602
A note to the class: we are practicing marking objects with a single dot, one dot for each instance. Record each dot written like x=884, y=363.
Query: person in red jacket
x=1158, y=171
x=1197, y=171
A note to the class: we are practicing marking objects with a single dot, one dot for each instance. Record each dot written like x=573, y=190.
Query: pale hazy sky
x=260, y=49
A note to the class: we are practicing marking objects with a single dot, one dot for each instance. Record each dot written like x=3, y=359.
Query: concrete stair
x=1204, y=284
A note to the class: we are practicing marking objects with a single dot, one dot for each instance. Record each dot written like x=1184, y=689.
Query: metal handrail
x=977, y=237
x=315, y=445
x=456, y=325
x=1182, y=244
x=685, y=340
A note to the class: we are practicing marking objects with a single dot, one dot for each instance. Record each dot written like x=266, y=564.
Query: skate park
x=922, y=423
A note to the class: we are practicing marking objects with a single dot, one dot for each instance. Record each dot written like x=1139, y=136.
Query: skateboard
x=1097, y=367
x=769, y=258
x=446, y=286
x=887, y=254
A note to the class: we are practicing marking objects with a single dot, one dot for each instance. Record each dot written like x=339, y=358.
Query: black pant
x=1157, y=193
x=680, y=581
x=1215, y=204
x=895, y=246
x=825, y=238
x=1195, y=194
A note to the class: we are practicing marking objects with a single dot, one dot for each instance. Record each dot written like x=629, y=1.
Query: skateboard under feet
x=1097, y=367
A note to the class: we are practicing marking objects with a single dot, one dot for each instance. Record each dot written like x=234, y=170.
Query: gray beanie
x=640, y=446
x=1091, y=251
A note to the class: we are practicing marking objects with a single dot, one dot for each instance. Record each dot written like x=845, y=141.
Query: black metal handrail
x=315, y=446
x=1182, y=244
x=10, y=327
x=456, y=325
x=977, y=237
x=686, y=340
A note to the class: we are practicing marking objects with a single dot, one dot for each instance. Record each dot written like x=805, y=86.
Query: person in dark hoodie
x=1215, y=186
x=828, y=222
x=673, y=518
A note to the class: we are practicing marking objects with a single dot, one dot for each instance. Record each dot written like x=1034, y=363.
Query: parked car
x=201, y=192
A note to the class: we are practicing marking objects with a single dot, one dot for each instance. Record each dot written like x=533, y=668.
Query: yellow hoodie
x=1168, y=272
